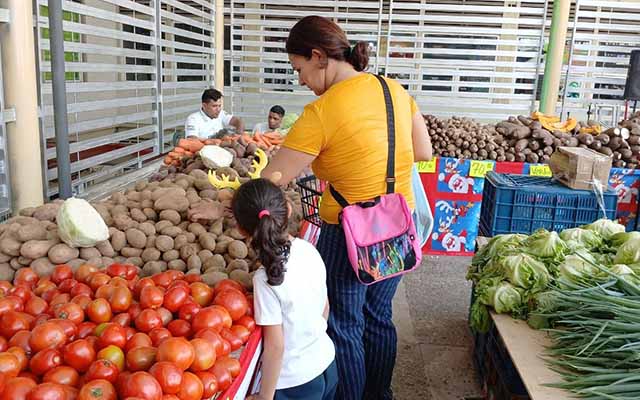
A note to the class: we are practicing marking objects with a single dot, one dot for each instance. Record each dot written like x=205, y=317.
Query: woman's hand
x=206, y=210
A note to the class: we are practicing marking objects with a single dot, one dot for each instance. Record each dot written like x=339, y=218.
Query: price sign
x=540, y=170
x=480, y=168
x=427, y=167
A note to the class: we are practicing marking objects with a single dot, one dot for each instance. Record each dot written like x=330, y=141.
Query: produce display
x=109, y=334
x=533, y=138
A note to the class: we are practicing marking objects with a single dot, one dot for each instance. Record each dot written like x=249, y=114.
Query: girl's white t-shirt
x=297, y=304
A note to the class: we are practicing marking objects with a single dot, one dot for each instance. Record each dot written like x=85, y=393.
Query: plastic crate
x=311, y=189
x=523, y=204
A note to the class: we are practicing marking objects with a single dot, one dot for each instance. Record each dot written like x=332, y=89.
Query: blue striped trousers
x=360, y=323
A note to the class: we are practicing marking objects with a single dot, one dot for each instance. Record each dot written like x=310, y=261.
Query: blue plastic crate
x=523, y=204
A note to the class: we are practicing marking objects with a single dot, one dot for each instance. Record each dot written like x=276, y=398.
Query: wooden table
x=526, y=347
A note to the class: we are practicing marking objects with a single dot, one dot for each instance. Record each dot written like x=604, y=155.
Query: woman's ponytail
x=359, y=56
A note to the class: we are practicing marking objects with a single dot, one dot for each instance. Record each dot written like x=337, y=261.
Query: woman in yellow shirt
x=343, y=135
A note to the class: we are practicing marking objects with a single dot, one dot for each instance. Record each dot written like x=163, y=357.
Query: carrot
x=267, y=141
x=247, y=138
x=168, y=160
x=173, y=154
x=179, y=150
x=193, y=145
x=188, y=154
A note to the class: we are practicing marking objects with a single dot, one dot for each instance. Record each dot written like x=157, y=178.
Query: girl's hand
x=206, y=210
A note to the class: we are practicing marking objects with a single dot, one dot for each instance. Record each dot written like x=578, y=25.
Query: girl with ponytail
x=290, y=299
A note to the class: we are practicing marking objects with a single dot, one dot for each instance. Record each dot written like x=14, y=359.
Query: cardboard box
x=577, y=167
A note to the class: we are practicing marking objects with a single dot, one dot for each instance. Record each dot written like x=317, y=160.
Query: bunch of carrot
x=266, y=140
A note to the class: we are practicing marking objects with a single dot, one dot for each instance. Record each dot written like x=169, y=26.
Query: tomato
x=168, y=376
x=162, y=279
x=158, y=335
x=99, y=311
x=41, y=319
x=134, y=310
x=171, y=396
x=226, y=347
x=30, y=375
x=98, y=389
x=71, y=393
x=35, y=306
x=227, y=284
x=179, y=327
x=47, y=334
x=3, y=345
x=93, y=341
x=84, y=271
x=147, y=320
x=63, y=375
x=97, y=280
x=165, y=315
x=191, y=387
x=231, y=364
x=143, y=385
x=214, y=338
x=223, y=376
x=178, y=351
x=70, y=329
x=102, y=369
x=79, y=354
x=49, y=295
x=179, y=283
x=72, y=312
x=141, y=358
x=17, y=388
x=208, y=317
x=248, y=322
x=11, y=303
x=241, y=332
x=66, y=285
x=45, y=360
x=82, y=300
x=21, y=339
x=22, y=292
x=122, y=319
x=192, y=278
x=60, y=273
x=230, y=337
x=188, y=311
x=104, y=292
x=60, y=299
x=209, y=384
x=129, y=332
x=47, y=391
x=120, y=299
x=132, y=272
x=227, y=322
x=12, y=322
x=42, y=286
x=85, y=329
x=151, y=297
x=201, y=293
x=117, y=270
x=113, y=354
x=81, y=288
x=21, y=355
x=139, y=339
x=112, y=334
x=142, y=283
x=25, y=276
x=9, y=364
x=205, y=355
x=234, y=301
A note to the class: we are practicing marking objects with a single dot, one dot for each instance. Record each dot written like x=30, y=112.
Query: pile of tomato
x=107, y=335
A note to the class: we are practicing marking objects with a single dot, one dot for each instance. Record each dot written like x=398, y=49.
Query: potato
x=164, y=243
x=167, y=192
x=237, y=249
x=31, y=232
x=140, y=186
x=242, y=277
x=172, y=231
x=203, y=184
x=251, y=254
x=104, y=213
x=177, y=265
x=171, y=255
x=130, y=252
x=47, y=212
x=5, y=258
x=53, y=236
x=150, y=213
x=152, y=268
x=89, y=252
x=237, y=264
x=236, y=234
x=105, y=249
x=172, y=202
x=118, y=198
x=180, y=241
x=76, y=263
x=183, y=225
x=36, y=248
x=42, y=267
x=124, y=222
x=138, y=215
x=217, y=228
x=15, y=264
x=9, y=245
x=133, y=195
x=188, y=250
x=212, y=278
x=194, y=262
x=118, y=240
x=6, y=272
x=48, y=225
x=198, y=174
x=146, y=194
x=137, y=261
x=222, y=243
x=96, y=262
x=193, y=198
x=183, y=183
x=160, y=225
x=209, y=194
x=147, y=228
x=216, y=263
x=205, y=255
x=24, y=261
x=225, y=194
x=147, y=203
x=107, y=261
x=120, y=209
x=150, y=254
x=136, y=238
x=196, y=228
x=61, y=253
x=120, y=259
x=28, y=212
x=207, y=241
x=171, y=215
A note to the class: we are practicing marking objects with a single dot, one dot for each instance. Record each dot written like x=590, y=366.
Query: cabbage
x=576, y=267
x=621, y=269
x=578, y=237
x=80, y=225
x=545, y=302
x=497, y=245
x=605, y=227
x=628, y=253
x=214, y=157
x=506, y=298
x=288, y=120
x=525, y=271
x=545, y=244
x=621, y=238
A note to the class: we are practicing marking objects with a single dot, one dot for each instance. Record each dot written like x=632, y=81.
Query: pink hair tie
x=263, y=213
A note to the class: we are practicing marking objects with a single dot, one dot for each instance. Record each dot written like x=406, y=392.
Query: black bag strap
x=391, y=146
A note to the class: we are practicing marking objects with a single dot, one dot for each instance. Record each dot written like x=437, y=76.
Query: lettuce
x=628, y=253
x=605, y=227
x=578, y=237
x=525, y=271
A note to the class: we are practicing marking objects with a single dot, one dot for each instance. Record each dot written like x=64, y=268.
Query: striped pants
x=359, y=323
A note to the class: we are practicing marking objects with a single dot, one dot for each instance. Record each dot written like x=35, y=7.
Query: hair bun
x=359, y=56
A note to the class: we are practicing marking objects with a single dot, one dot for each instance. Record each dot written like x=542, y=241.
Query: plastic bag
x=422, y=216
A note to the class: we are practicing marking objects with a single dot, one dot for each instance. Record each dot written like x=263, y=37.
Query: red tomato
x=112, y=334
x=70, y=329
x=9, y=364
x=21, y=339
x=47, y=334
x=44, y=361
x=129, y=332
x=241, y=332
x=113, y=354
x=178, y=351
x=60, y=273
x=63, y=375
x=191, y=387
x=99, y=311
x=201, y=293
x=102, y=369
x=17, y=388
x=223, y=376
x=188, y=311
x=134, y=310
x=117, y=270
x=70, y=392
x=168, y=376
x=79, y=354
x=139, y=339
x=66, y=285
x=141, y=358
x=230, y=337
x=179, y=328
x=120, y=299
x=47, y=391
x=234, y=301
x=3, y=346
x=227, y=284
x=227, y=322
x=132, y=272
x=151, y=297
x=209, y=384
x=84, y=271
x=104, y=292
x=98, y=389
x=22, y=292
x=60, y=299
x=42, y=286
x=142, y=283
x=21, y=355
x=12, y=322
x=49, y=295
x=231, y=364
x=121, y=382
x=11, y=303
x=30, y=375
x=97, y=280
x=122, y=319
x=158, y=335
x=147, y=320
x=35, y=306
x=143, y=385
x=212, y=337
x=82, y=300
x=165, y=315
x=25, y=276
x=205, y=355
x=85, y=329
x=248, y=322
x=72, y=312
x=208, y=317
x=178, y=283
x=250, y=309
x=162, y=279
x=81, y=288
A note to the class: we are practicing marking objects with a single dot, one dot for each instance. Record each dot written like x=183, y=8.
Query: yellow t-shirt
x=346, y=129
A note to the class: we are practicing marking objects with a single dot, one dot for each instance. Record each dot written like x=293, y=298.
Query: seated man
x=211, y=118
x=274, y=120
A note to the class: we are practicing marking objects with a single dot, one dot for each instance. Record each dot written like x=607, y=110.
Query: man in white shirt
x=274, y=120
x=211, y=118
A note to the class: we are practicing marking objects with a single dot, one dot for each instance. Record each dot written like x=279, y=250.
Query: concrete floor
x=434, y=343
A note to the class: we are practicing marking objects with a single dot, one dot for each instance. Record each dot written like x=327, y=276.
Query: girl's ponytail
x=272, y=246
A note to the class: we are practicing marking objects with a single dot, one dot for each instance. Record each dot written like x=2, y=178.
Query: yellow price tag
x=540, y=170
x=480, y=168
x=427, y=167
